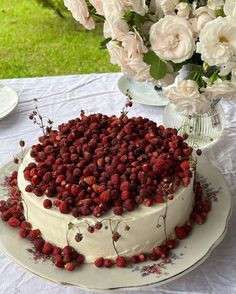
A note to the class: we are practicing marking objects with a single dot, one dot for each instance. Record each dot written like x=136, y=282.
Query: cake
x=108, y=186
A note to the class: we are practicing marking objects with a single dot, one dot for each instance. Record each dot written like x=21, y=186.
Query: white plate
x=191, y=251
x=8, y=100
x=143, y=93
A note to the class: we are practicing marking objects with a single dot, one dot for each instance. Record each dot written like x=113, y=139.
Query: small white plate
x=142, y=92
x=189, y=254
x=8, y=100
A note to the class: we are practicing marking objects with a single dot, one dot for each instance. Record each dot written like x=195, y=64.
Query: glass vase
x=202, y=129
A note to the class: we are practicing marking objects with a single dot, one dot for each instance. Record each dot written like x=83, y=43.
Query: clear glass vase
x=202, y=129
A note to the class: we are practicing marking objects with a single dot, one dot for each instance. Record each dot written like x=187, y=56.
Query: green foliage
x=197, y=77
x=213, y=78
x=134, y=19
x=139, y=20
x=57, y=5
x=176, y=66
x=158, y=68
x=219, y=12
x=103, y=43
x=36, y=42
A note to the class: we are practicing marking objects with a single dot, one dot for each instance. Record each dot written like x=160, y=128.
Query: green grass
x=34, y=41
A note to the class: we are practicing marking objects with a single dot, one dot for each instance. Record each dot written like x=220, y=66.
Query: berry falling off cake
x=108, y=186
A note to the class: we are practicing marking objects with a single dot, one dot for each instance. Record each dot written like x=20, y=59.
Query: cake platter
x=142, y=92
x=189, y=254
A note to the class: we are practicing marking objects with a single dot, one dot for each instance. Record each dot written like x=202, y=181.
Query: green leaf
x=134, y=19
x=103, y=44
x=158, y=68
x=176, y=66
x=139, y=20
x=219, y=12
x=129, y=17
x=213, y=78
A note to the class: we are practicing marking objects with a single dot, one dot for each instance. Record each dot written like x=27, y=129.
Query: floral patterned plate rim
x=190, y=253
x=141, y=92
x=8, y=100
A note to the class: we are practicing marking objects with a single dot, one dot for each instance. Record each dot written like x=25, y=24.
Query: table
x=62, y=98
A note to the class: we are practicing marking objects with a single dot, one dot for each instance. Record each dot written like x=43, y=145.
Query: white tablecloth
x=62, y=98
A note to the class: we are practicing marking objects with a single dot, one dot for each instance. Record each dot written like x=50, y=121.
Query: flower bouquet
x=154, y=40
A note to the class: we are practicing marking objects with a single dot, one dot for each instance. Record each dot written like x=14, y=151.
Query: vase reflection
x=202, y=129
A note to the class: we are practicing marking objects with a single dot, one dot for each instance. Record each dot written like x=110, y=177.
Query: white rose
x=220, y=89
x=133, y=44
x=188, y=88
x=134, y=67
x=154, y=6
x=98, y=5
x=217, y=41
x=203, y=16
x=117, y=54
x=113, y=9
x=138, y=69
x=183, y=9
x=187, y=98
x=171, y=38
x=225, y=69
x=168, y=6
x=138, y=6
x=233, y=75
x=214, y=4
x=230, y=7
x=155, y=9
x=115, y=28
x=117, y=8
x=80, y=12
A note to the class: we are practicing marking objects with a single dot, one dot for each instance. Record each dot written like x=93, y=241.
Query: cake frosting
x=140, y=230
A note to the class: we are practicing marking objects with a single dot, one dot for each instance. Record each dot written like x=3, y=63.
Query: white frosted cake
x=133, y=212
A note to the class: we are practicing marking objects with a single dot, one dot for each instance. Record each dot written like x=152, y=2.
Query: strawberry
x=170, y=244
x=99, y=262
x=180, y=233
x=23, y=233
x=38, y=243
x=185, y=165
x=47, y=248
x=58, y=261
x=26, y=225
x=142, y=257
x=70, y=266
x=121, y=261
x=135, y=259
x=33, y=234
x=159, y=198
x=108, y=263
x=105, y=196
x=13, y=222
x=90, y=180
x=57, y=251
x=80, y=259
